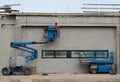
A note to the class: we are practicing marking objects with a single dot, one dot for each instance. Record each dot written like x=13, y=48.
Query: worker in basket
x=57, y=28
x=82, y=54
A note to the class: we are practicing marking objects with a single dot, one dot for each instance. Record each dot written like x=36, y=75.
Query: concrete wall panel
x=79, y=36
x=39, y=20
x=6, y=36
x=74, y=38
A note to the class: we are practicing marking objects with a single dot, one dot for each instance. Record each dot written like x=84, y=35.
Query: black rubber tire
x=6, y=71
x=27, y=71
x=44, y=74
x=11, y=73
x=93, y=71
x=111, y=71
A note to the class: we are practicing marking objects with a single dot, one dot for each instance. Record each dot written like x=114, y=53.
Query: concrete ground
x=62, y=78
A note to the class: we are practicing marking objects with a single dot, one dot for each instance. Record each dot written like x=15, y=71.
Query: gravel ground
x=62, y=78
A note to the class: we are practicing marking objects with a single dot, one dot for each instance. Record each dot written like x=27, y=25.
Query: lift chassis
x=100, y=65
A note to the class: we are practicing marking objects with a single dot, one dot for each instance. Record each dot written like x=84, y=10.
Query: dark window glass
x=87, y=54
x=61, y=54
x=75, y=54
x=102, y=54
x=48, y=54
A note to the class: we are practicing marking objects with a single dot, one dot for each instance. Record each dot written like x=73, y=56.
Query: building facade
x=77, y=32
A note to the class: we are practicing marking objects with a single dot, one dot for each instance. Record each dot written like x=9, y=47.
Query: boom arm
x=50, y=35
x=23, y=46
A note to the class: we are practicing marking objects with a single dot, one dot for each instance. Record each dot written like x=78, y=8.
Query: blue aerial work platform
x=17, y=63
x=102, y=64
x=50, y=32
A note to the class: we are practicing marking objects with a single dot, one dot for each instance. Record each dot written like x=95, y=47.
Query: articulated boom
x=23, y=46
x=17, y=63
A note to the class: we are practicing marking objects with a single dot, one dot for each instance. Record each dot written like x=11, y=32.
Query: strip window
x=75, y=54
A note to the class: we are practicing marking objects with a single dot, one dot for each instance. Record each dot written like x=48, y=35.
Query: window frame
x=48, y=57
x=61, y=51
x=104, y=51
x=69, y=54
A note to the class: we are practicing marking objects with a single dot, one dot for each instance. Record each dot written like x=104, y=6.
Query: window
x=101, y=54
x=87, y=54
x=48, y=54
x=61, y=54
x=75, y=54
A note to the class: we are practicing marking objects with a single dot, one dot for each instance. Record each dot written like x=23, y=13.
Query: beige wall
x=73, y=36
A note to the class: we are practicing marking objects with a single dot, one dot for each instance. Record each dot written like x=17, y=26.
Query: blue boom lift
x=99, y=64
x=18, y=63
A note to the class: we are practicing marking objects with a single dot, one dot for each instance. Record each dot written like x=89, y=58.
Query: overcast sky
x=53, y=6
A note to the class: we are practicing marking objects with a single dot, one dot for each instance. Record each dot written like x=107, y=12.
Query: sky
x=53, y=6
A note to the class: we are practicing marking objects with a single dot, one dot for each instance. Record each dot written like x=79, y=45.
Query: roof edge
x=68, y=14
